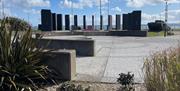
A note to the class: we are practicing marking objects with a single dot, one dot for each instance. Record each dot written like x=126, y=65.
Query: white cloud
x=26, y=6
x=173, y=16
x=116, y=10
x=5, y=12
x=80, y=4
x=141, y=3
x=29, y=3
x=32, y=11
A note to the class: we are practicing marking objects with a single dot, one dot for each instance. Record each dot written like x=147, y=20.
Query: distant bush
x=162, y=71
x=20, y=67
x=16, y=24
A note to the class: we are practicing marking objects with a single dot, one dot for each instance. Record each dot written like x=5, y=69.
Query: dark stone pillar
x=67, y=22
x=46, y=20
x=130, y=21
x=59, y=22
x=75, y=22
x=125, y=21
x=93, y=22
x=109, y=22
x=101, y=22
x=118, y=22
x=54, y=21
x=84, y=21
x=136, y=20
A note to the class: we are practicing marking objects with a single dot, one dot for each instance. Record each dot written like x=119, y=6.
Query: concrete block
x=62, y=62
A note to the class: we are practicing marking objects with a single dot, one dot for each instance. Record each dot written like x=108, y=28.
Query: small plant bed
x=90, y=86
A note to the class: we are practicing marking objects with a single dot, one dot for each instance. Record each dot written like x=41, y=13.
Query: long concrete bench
x=83, y=47
x=62, y=62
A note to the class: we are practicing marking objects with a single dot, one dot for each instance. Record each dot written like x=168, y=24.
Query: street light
x=100, y=8
x=2, y=3
x=108, y=7
x=166, y=17
x=72, y=16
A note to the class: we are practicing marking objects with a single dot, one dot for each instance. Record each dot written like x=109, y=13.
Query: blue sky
x=151, y=9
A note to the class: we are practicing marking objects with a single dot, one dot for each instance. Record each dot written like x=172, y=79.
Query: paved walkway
x=116, y=55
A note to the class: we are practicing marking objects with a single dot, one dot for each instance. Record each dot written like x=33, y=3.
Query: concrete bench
x=62, y=62
x=83, y=47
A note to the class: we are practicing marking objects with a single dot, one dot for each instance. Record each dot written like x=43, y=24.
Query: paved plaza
x=115, y=55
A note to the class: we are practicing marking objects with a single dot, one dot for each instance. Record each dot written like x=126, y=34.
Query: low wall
x=62, y=62
x=129, y=33
x=97, y=33
x=83, y=47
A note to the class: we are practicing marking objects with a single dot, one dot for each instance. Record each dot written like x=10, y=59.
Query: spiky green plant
x=162, y=71
x=20, y=67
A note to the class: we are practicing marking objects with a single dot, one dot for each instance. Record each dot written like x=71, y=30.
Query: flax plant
x=20, y=67
x=162, y=71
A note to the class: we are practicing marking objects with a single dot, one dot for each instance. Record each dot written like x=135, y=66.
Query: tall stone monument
x=46, y=20
x=109, y=22
x=101, y=22
x=84, y=22
x=75, y=22
x=54, y=21
x=118, y=22
x=93, y=26
x=132, y=21
x=59, y=22
x=67, y=22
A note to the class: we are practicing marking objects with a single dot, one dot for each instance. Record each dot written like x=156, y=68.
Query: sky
x=29, y=10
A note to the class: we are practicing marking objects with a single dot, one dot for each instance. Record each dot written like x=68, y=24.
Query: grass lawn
x=152, y=34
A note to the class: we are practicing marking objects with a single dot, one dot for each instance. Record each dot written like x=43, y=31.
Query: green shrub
x=20, y=67
x=126, y=80
x=162, y=71
x=16, y=24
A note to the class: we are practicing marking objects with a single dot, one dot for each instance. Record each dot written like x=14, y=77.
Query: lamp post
x=72, y=16
x=166, y=17
x=2, y=3
x=101, y=18
x=100, y=8
x=108, y=7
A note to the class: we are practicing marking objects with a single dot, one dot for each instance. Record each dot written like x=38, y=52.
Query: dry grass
x=162, y=71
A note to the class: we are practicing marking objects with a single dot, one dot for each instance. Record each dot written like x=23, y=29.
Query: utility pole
x=166, y=17
x=100, y=8
x=72, y=16
x=101, y=18
x=108, y=7
x=3, y=13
